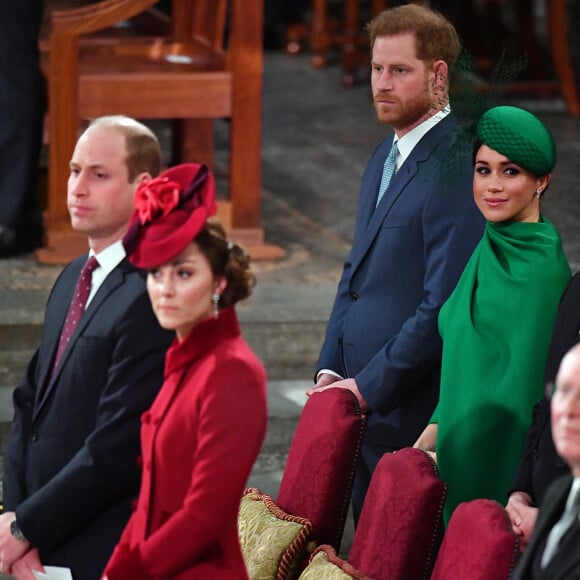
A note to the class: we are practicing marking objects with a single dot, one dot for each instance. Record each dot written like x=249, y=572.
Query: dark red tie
x=77, y=306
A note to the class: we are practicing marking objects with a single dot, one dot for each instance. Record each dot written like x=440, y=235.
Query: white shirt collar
x=110, y=257
x=407, y=142
x=108, y=260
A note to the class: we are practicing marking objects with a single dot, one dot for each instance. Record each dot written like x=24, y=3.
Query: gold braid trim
x=337, y=561
x=300, y=541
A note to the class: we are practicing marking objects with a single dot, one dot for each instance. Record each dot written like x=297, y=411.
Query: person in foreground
x=68, y=484
x=497, y=324
x=540, y=465
x=205, y=429
x=413, y=236
x=552, y=552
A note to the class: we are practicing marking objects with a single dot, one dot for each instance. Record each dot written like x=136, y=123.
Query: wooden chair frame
x=232, y=91
x=354, y=50
x=561, y=55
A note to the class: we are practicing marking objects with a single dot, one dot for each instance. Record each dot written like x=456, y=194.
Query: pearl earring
x=215, y=298
x=538, y=193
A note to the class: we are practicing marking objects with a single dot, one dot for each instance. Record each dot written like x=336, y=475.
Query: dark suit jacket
x=540, y=464
x=405, y=260
x=70, y=470
x=565, y=565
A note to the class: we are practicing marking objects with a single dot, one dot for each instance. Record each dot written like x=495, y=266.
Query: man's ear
x=440, y=74
x=142, y=177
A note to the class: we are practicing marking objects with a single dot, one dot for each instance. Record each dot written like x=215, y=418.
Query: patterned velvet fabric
x=401, y=523
x=274, y=543
x=318, y=476
x=479, y=543
x=324, y=564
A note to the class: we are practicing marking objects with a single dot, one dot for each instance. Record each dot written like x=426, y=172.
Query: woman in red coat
x=205, y=429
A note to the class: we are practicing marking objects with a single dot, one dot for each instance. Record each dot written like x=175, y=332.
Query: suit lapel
x=111, y=283
x=550, y=512
x=396, y=188
x=568, y=560
x=372, y=219
x=370, y=188
x=53, y=327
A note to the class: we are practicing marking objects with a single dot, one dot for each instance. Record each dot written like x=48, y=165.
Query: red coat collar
x=201, y=340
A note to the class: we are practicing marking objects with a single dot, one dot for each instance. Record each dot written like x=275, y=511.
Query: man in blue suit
x=410, y=243
x=70, y=463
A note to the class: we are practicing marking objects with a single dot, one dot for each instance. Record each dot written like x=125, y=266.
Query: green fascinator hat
x=520, y=136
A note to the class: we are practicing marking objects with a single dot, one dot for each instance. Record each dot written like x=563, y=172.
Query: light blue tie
x=388, y=171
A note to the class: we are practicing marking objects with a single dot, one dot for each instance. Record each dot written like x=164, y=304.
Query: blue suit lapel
x=370, y=187
x=394, y=191
x=112, y=281
x=371, y=219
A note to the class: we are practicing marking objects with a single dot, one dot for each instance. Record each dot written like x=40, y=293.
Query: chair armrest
x=87, y=19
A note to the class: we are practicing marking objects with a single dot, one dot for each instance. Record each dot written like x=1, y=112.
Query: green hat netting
x=520, y=136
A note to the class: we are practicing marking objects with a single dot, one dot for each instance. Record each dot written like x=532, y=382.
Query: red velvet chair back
x=319, y=473
x=401, y=523
x=479, y=543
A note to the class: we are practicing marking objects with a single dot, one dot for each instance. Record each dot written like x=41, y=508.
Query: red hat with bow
x=170, y=211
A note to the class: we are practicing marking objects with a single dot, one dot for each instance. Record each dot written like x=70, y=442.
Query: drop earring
x=538, y=193
x=215, y=298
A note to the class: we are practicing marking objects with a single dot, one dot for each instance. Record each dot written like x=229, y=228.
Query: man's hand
x=11, y=549
x=327, y=381
x=523, y=515
x=324, y=380
x=22, y=569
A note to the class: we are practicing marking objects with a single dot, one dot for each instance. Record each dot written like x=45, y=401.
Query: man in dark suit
x=22, y=105
x=552, y=552
x=540, y=465
x=410, y=245
x=70, y=473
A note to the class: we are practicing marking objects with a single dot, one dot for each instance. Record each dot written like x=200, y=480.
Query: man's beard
x=405, y=114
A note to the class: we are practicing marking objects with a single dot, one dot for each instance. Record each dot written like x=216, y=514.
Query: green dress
x=496, y=327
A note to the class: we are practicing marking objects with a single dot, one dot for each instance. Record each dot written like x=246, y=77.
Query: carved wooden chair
x=209, y=67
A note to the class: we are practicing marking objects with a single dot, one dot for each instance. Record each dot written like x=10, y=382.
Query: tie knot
x=90, y=266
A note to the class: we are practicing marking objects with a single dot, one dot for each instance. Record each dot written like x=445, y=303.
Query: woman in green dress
x=496, y=325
